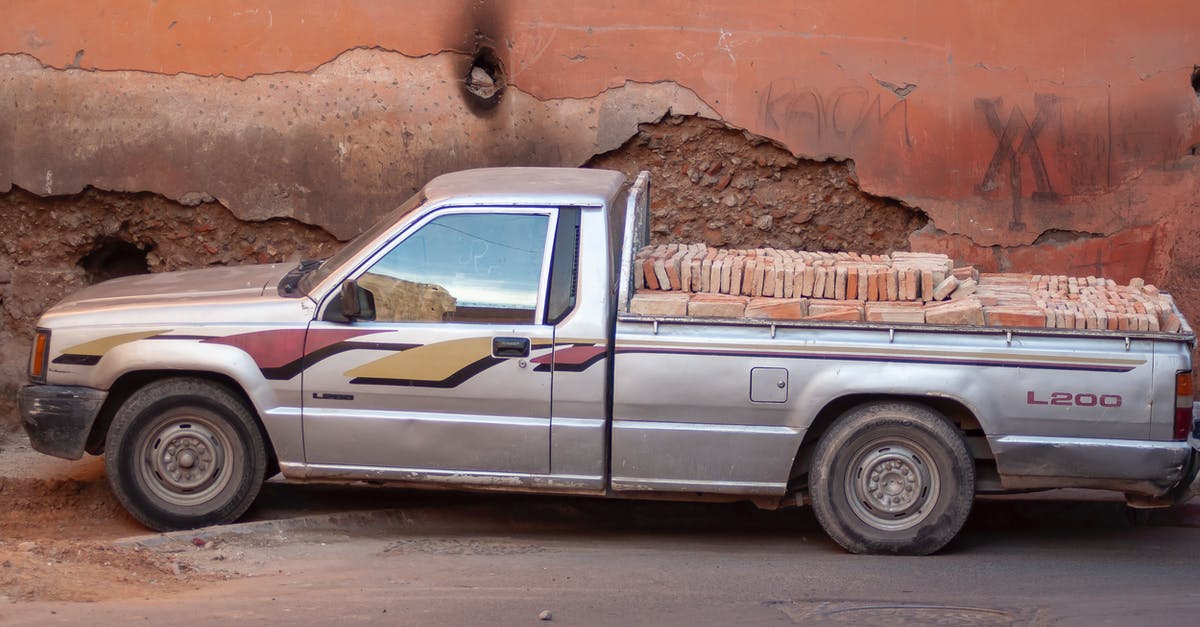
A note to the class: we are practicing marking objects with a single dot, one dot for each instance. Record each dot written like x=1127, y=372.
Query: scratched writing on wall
x=836, y=122
x=1018, y=156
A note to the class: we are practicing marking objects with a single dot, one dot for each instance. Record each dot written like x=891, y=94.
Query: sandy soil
x=57, y=522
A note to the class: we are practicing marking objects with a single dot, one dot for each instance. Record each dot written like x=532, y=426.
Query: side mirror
x=357, y=303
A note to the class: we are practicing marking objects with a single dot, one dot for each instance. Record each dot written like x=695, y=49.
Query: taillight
x=1183, y=405
x=39, y=356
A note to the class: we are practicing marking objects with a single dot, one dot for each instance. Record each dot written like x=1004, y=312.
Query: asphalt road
x=590, y=562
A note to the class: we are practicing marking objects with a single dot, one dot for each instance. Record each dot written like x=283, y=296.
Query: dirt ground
x=57, y=523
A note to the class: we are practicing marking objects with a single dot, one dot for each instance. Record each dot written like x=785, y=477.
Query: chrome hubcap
x=892, y=484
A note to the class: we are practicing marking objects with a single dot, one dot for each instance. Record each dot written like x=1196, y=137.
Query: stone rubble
x=903, y=287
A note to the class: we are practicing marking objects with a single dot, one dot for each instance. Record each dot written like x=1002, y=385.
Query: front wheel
x=185, y=453
x=892, y=478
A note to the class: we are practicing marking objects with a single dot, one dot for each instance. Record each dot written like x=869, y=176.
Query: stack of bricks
x=918, y=288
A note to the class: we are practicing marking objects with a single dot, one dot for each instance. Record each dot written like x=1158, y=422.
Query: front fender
x=186, y=355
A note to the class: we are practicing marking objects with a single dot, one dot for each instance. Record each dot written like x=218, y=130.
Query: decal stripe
x=452, y=381
x=432, y=362
x=76, y=360
x=97, y=348
x=293, y=368
x=797, y=350
x=571, y=355
x=932, y=358
x=445, y=364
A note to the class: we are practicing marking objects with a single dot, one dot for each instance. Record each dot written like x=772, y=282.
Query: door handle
x=510, y=347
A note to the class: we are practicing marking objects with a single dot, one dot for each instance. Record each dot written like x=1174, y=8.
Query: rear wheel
x=185, y=453
x=892, y=478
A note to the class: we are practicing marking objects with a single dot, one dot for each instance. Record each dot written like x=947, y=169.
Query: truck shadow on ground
x=1057, y=515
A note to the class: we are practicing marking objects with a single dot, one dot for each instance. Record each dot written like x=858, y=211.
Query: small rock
x=481, y=83
x=26, y=547
x=7, y=564
x=545, y=615
x=199, y=542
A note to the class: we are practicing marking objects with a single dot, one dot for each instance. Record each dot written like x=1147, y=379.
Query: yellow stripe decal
x=431, y=362
x=97, y=348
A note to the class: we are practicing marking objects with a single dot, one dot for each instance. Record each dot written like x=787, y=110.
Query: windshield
x=354, y=246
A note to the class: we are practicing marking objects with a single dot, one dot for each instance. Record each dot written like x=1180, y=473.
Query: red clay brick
x=967, y=311
x=705, y=305
x=659, y=303
x=777, y=308
x=905, y=312
x=1014, y=317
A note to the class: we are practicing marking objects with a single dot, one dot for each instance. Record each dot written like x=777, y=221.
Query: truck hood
x=186, y=287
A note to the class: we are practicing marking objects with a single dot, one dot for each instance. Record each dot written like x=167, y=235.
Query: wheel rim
x=892, y=484
x=186, y=459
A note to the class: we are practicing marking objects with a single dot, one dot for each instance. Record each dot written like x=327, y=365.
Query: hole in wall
x=484, y=82
x=113, y=257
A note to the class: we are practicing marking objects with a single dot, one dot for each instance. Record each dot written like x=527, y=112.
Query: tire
x=892, y=478
x=185, y=453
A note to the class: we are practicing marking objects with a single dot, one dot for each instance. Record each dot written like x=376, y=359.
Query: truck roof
x=526, y=185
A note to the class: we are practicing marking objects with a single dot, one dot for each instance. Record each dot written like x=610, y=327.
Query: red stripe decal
x=279, y=347
x=570, y=356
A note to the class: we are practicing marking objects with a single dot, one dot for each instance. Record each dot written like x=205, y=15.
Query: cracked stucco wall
x=335, y=147
x=1055, y=136
x=1001, y=123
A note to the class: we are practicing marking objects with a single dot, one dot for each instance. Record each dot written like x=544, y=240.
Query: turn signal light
x=39, y=356
x=1183, y=405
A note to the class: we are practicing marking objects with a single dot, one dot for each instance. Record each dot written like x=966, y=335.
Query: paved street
x=1021, y=560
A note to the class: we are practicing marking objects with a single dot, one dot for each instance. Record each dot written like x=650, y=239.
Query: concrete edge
x=354, y=520
x=475, y=518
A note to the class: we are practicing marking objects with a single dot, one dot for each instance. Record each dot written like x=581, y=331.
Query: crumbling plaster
x=1056, y=136
x=1001, y=122
x=334, y=147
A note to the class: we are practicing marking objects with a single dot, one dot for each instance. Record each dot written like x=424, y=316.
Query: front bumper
x=58, y=418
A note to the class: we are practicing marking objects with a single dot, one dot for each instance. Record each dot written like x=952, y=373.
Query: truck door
x=441, y=378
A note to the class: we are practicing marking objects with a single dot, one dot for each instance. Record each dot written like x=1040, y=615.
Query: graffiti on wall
x=834, y=122
x=1017, y=152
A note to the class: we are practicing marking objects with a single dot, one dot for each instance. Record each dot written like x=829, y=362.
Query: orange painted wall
x=1001, y=120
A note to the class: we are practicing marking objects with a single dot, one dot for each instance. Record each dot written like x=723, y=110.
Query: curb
x=483, y=518
x=409, y=520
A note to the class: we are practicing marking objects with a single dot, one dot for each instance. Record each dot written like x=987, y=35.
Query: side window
x=470, y=267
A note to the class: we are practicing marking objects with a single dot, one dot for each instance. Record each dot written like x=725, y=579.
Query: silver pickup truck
x=480, y=337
